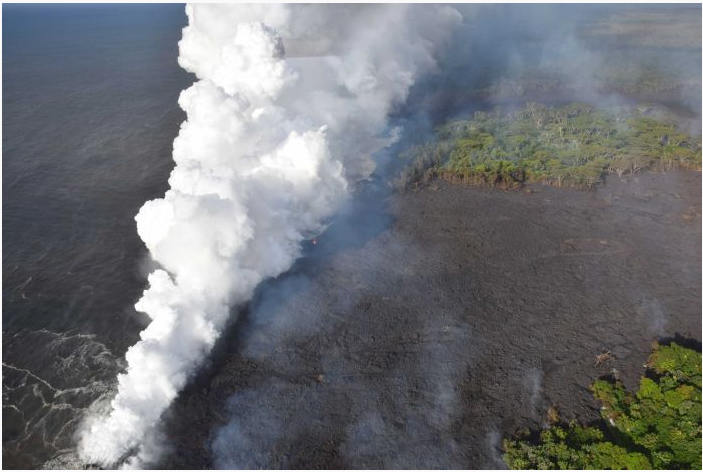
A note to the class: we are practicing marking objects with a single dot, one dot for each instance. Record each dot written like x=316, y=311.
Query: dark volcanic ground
x=472, y=313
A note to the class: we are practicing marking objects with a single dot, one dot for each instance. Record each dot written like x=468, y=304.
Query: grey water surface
x=89, y=116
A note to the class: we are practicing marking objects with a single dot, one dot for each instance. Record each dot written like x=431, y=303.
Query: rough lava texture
x=263, y=161
x=422, y=344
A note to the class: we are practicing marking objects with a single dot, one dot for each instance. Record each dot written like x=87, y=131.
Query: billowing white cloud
x=263, y=160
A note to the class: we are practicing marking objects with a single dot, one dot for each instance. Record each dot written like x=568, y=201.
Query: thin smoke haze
x=267, y=154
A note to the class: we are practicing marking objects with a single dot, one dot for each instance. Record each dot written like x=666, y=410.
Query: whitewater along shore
x=460, y=316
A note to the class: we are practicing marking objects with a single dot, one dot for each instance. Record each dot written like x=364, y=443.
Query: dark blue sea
x=89, y=97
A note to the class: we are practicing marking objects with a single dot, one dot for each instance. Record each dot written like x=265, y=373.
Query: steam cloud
x=289, y=107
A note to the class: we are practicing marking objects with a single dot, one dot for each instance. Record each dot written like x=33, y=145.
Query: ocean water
x=89, y=116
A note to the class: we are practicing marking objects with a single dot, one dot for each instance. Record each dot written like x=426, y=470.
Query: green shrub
x=574, y=145
x=658, y=427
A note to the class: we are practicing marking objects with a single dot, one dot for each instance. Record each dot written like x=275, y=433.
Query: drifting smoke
x=289, y=107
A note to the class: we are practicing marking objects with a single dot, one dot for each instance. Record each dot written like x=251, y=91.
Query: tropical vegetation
x=657, y=427
x=573, y=145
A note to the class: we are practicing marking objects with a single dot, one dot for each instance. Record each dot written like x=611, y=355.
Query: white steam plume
x=291, y=102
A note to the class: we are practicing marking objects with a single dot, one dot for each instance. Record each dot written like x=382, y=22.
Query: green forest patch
x=573, y=145
x=657, y=427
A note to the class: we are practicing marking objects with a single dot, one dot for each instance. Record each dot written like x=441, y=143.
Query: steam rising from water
x=264, y=159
